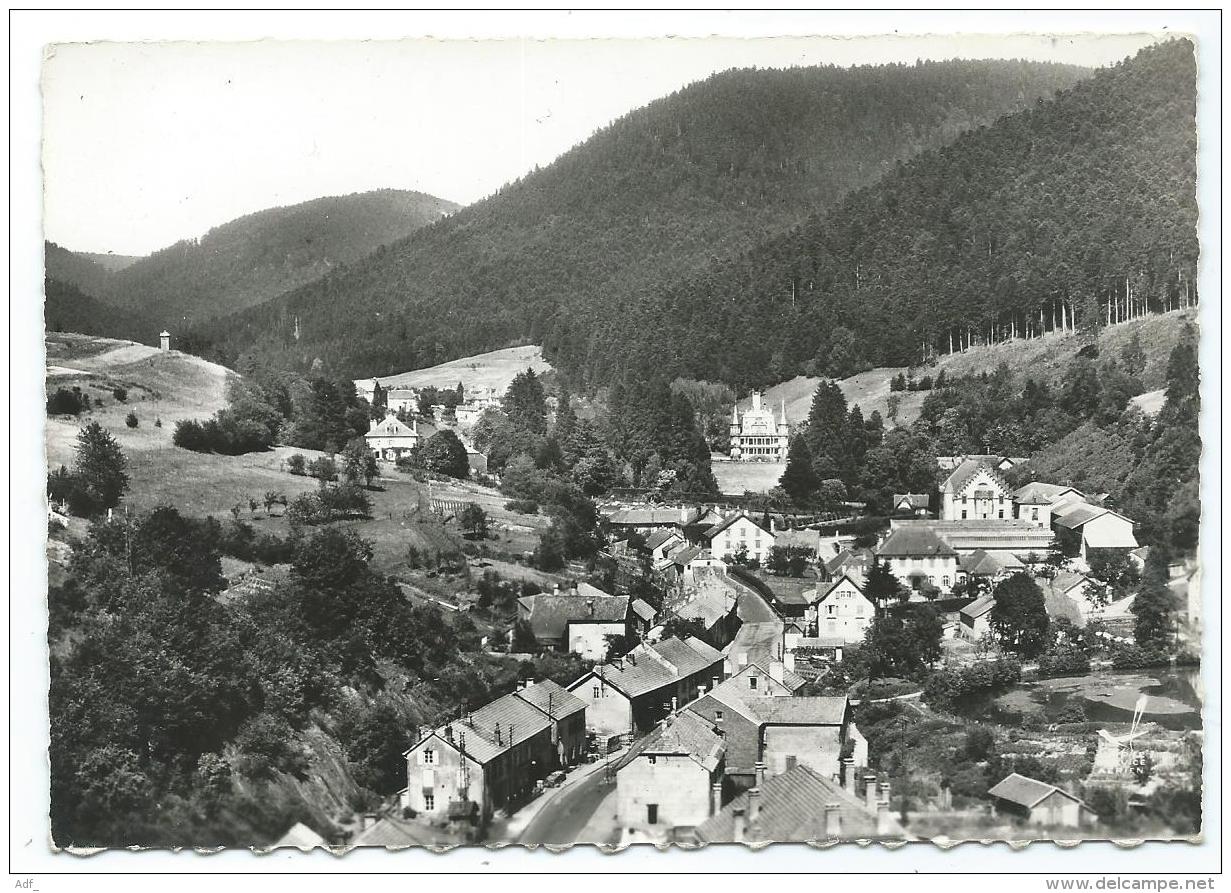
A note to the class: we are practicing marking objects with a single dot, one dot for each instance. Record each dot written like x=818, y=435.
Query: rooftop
x=978, y=607
x=914, y=500
x=549, y=614
x=1027, y=792
x=554, y=700
x=683, y=734
x=723, y=525
x=648, y=668
x=966, y=471
x=792, y=808
x=909, y=542
x=984, y=563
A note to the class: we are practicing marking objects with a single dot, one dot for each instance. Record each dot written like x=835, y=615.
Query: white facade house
x=975, y=491
x=841, y=611
x=737, y=532
x=757, y=435
x=1098, y=527
x=918, y=557
x=390, y=438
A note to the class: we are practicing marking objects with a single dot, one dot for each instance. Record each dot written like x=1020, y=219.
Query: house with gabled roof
x=839, y=610
x=739, y=533
x=1039, y=803
x=390, y=438
x=992, y=565
x=975, y=490
x=577, y=620
x=854, y=562
x=911, y=503
x=1036, y=501
x=661, y=543
x=918, y=556
x=670, y=781
x=974, y=619
x=632, y=693
x=802, y=805
x=1095, y=527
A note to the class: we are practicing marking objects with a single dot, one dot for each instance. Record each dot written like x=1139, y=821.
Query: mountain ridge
x=708, y=170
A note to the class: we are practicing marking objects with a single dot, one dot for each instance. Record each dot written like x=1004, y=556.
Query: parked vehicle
x=556, y=779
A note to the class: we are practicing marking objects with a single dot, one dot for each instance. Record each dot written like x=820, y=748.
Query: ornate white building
x=757, y=435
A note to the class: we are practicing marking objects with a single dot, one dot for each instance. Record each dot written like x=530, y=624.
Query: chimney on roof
x=716, y=798
x=713, y=682
x=449, y=733
x=884, y=819
x=675, y=704
x=833, y=820
x=760, y=773
x=754, y=804
x=499, y=740
x=870, y=790
x=739, y=824
x=848, y=775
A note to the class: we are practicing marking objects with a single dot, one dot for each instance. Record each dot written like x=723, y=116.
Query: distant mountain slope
x=1078, y=199
x=110, y=262
x=261, y=255
x=68, y=309
x=707, y=171
x=74, y=268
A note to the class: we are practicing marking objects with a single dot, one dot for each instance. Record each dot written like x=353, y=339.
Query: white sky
x=145, y=144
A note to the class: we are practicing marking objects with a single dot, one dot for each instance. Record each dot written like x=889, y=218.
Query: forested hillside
x=68, y=309
x=1052, y=211
x=253, y=258
x=702, y=174
x=74, y=268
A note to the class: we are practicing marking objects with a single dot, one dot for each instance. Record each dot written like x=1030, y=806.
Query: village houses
x=671, y=780
x=631, y=694
x=489, y=759
x=737, y=534
x=839, y=610
x=390, y=438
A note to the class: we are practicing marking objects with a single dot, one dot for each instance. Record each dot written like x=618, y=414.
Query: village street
x=760, y=636
x=583, y=812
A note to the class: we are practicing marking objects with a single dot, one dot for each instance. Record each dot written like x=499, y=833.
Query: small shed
x=1039, y=803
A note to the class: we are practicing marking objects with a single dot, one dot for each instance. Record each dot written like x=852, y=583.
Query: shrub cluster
x=222, y=434
x=946, y=688
x=66, y=402
x=329, y=503
x=1066, y=662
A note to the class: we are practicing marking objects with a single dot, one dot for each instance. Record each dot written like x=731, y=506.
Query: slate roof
x=822, y=592
x=1066, y=580
x=475, y=735
x=968, y=468
x=913, y=541
x=658, y=537
x=723, y=525
x=550, y=613
x=301, y=836
x=554, y=700
x=915, y=500
x=1075, y=514
x=983, y=563
x=1027, y=792
x=648, y=668
x=846, y=559
x=978, y=607
x=1041, y=493
x=1005, y=535
x=685, y=734
x=643, y=609
x=649, y=517
x=393, y=832
x=792, y=809
x=686, y=555
x=796, y=711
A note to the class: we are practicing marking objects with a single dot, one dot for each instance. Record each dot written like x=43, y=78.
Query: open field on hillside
x=1047, y=357
x=168, y=386
x=735, y=478
x=495, y=369
x=1043, y=358
x=173, y=386
x=869, y=390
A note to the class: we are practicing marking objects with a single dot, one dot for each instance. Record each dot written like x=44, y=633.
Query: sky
x=145, y=144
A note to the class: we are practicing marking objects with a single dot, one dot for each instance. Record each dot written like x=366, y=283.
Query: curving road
x=565, y=818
